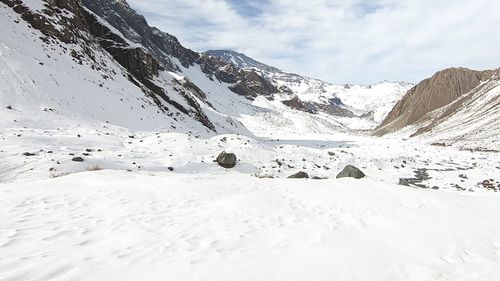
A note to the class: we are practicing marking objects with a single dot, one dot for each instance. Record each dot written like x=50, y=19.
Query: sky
x=340, y=41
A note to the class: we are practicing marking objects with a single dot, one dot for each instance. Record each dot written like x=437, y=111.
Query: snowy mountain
x=241, y=60
x=371, y=102
x=111, y=49
x=112, y=138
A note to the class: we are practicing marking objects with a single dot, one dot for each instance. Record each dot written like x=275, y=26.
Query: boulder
x=351, y=172
x=77, y=159
x=299, y=175
x=227, y=160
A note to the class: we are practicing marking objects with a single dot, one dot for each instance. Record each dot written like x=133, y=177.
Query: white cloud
x=357, y=41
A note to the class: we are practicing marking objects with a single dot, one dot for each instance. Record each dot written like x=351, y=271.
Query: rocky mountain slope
x=99, y=60
x=455, y=106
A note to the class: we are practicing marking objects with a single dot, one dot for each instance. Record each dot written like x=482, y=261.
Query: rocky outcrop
x=241, y=60
x=247, y=83
x=335, y=107
x=227, y=160
x=299, y=175
x=298, y=104
x=136, y=29
x=351, y=172
x=436, y=92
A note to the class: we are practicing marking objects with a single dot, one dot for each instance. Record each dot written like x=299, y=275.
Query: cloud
x=340, y=41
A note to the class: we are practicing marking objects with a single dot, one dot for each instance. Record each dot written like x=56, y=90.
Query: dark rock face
x=253, y=85
x=136, y=29
x=227, y=160
x=296, y=103
x=77, y=159
x=162, y=45
x=29, y=154
x=140, y=64
x=335, y=110
x=299, y=175
x=241, y=60
x=351, y=172
x=247, y=83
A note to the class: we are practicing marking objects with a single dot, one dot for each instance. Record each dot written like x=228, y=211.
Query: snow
x=379, y=98
x=373, y=101
x=37, y=5
x=149, y=203
x=99, y=226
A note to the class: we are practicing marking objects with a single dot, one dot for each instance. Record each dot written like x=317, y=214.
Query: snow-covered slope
x=375, y=101
x=371, y=103
x=74, y=74
x=98, y=226
x=117, y=69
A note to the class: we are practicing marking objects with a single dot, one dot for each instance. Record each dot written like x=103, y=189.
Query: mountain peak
x=241, y=60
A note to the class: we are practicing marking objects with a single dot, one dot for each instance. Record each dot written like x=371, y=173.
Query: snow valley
x=126, y=156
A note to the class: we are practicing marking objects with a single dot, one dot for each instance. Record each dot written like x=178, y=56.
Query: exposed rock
x=227, y=160
x=299, y=175
x=29, y=154
x=9, y=107
x=296, y=103
x=335, y=110
x=241, y=60
x=136, y=29
x=490, y=184
x=253, y=85
x=420, y=176
x=77, y=159
x=440, y=90
x=351, y=172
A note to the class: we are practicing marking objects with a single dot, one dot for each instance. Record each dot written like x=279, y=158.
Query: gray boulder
x=77, y=159
x=299, y=175
x=227, y=160
x=351, y=172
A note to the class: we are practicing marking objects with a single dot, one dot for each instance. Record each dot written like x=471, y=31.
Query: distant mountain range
x=100, y=60
x=370, y=101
